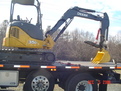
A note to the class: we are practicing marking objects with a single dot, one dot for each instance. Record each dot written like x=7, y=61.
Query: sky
x=52, y=11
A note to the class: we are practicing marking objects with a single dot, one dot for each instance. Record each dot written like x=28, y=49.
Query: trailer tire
x=65, y=81
x=40, y=80
x=80, y=82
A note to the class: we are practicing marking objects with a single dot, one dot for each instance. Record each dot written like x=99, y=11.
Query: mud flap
x=102, y=56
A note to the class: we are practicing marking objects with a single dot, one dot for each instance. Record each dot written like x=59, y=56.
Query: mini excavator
x=28, y=38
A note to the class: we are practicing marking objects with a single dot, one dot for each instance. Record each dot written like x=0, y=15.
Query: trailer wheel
x=80, y=82
x=40, y=80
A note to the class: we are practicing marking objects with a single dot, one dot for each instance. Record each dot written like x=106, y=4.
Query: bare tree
x=3, y=28
x=71, y=46
x=115, y=47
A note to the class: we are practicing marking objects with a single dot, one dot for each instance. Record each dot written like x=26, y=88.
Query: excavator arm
x=83, y=13
x=102, y=55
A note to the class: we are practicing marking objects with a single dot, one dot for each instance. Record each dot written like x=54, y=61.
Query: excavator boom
x=83, y=13
x=102, y=55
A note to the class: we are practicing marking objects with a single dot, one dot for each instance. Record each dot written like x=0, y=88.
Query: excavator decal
x=81, y=14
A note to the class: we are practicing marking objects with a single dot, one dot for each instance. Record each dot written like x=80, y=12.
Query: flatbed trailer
x=69, y=75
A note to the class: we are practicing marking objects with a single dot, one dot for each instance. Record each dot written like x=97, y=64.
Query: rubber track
x=24, y=52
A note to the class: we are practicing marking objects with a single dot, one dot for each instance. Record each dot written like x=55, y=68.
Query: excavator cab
x=21, y=33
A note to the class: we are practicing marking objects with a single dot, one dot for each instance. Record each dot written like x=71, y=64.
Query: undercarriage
x=24, y=56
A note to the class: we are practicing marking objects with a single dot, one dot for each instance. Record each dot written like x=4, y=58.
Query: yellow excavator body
x=102, y=56
x=16, y=37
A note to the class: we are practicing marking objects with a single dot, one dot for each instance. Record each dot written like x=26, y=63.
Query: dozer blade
x=101, y=57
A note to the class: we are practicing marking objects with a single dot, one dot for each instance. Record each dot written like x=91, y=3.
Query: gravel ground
x=111, y=87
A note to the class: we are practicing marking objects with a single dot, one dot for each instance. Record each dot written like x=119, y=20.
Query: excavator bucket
x=101, y=57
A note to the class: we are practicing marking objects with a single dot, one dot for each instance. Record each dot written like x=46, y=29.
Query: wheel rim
x=40, y=83
x=83, y=86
